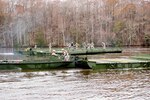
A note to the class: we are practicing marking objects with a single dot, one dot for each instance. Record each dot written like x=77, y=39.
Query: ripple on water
x=75, y=84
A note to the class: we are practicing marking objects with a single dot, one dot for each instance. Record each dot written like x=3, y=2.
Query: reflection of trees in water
x=35, y=74
x=108, y=75
x=85, y=72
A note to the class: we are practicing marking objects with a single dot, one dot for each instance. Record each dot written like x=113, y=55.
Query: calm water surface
x=76, y=84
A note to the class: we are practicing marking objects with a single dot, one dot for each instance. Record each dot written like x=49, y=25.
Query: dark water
x=76, y=84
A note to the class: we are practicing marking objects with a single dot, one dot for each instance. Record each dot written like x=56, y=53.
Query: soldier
x=66, y=55
x=54, y=53
x=104, y=45
x=92, y=45
x=77, y=45
x=35, y=46
x=50, y=47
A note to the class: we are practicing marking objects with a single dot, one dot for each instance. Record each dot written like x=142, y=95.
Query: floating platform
x=142, y=57
x=118, y=63
x=79, y=51
x=94, y=51
x=35, y=65
x=53, y=62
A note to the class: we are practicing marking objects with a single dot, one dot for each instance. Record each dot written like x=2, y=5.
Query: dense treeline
x=115, y=22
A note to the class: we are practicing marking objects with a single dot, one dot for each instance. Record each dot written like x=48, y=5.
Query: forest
x=40, y=22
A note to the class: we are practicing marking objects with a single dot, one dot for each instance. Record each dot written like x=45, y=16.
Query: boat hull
x=82, y=64
x=37, y=65
x=95, y=65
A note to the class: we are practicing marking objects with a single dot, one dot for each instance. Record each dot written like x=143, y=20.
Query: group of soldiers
x=65, y=54
x=72, y=46
x=84, y=45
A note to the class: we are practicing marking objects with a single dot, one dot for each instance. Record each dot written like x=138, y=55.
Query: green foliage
x=116, y=42
x=39, y=39
x=118, y=26
x=16, y=45
x=75, y=35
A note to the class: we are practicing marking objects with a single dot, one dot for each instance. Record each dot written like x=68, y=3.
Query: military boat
x=118, y=63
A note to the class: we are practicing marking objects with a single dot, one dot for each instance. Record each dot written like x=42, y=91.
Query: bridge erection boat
x=52, y=63
x=59, y=60
x=118, y=63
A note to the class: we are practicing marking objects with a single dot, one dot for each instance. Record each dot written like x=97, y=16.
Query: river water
x=77, y=84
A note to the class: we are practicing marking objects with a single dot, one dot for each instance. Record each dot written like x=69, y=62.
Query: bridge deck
x=117, y=60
